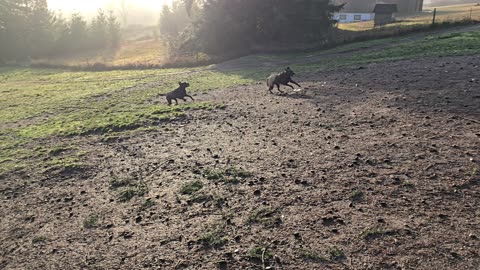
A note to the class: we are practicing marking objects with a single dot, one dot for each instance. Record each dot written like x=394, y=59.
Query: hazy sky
x=93, y=5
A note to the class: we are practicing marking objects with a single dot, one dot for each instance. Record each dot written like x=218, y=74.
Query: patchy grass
x=91, y=222
x=108, y=121
x=360, y=45
x=64, y=165
x=119, y=182
x=373, y=233
x=230, y=175
x=214, y=237
x=212, y=174
x=219, y=201
x=39, y=239
x=133, y=189
x=256, y=253
x=336, y=254
x=266, y=216
x=199, y=198
x=312, y=256
x=356, y=196
x=56, y=151
x=148, y=204
x=192, y=187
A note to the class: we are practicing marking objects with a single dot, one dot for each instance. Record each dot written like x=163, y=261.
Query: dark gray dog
x=281, y=78
x=180, y=92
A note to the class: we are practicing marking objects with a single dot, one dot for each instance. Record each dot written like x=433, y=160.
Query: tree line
x=229, y=26
x=29, y=29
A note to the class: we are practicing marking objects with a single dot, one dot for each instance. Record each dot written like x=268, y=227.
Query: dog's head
x=184, y=84
x=289, y=71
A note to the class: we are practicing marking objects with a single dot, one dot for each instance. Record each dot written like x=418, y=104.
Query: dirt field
x=375, y=167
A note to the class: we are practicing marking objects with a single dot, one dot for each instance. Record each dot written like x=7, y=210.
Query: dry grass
x=140, y=54
x=447, y=13
x=146, y=52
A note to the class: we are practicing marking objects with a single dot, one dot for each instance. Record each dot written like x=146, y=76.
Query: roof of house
x=368, y=6
x=356, y=6
x=385, y=8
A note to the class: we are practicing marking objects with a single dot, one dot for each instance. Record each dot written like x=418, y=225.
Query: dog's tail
x=271, y=80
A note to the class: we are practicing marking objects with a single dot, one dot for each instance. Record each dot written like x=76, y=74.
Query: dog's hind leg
x=278, y=88
x=270, y=89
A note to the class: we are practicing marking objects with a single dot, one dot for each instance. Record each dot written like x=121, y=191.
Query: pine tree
x=99, y=31
x=114, y=33
x=78, y=34
x=29, y=29
x=13, y=29
x=226, y=26
x=40, y=21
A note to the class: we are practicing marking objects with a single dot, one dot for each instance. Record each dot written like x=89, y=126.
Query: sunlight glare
x=92, y=5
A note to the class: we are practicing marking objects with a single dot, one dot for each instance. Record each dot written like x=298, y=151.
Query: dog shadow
x=295, y=95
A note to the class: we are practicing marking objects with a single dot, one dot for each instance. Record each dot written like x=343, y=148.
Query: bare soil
x=373, y=167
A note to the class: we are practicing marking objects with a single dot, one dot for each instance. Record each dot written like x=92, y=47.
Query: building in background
x=353, y=11
x=384, y=14
x=406, y=7
x=362, y=10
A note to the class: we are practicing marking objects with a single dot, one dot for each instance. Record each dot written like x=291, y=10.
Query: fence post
x=434, y=15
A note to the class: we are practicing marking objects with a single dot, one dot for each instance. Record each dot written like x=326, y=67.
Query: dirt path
x=360, y=171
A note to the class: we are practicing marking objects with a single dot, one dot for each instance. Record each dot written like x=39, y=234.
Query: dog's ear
x=180, y=83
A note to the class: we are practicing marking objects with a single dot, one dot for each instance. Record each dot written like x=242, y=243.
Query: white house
x=362, y=10
x=347, y=17
x=355, y=11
